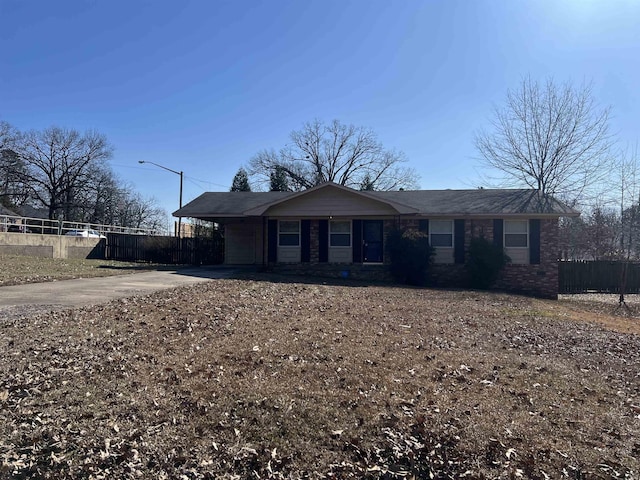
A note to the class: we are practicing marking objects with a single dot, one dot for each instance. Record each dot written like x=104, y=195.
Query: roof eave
x=497, y=215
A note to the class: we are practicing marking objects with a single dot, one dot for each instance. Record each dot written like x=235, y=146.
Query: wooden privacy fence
x=597, y=276
x=165, y=250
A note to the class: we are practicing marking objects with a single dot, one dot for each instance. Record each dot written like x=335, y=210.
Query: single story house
x=335, y=230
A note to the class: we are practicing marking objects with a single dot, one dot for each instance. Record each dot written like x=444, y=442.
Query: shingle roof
x=426, y=202
x=33, y=212
x=5, y=211
x=479, y=201
x=228, y=204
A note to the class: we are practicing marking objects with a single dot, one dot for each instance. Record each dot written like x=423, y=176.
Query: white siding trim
x=443, y=255
x=340, y=255
x=289, y=255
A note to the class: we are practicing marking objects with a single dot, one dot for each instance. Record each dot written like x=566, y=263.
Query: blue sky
x=202, y=86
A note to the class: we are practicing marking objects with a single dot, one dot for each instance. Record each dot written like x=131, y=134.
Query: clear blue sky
x=201, y=86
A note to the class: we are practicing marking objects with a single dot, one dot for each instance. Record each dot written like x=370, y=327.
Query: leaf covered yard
x=255, y=378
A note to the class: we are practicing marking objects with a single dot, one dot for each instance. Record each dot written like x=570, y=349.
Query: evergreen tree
x=367, y=184
x=278, y=180
x=241, y=182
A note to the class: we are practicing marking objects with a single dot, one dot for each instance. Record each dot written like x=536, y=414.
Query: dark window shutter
x=357, y=241
x=272, y=247
x=323, y=241
x=305, y=240
x=498, y=230
x=534, y=241
x=458, y=241
x=423, y=226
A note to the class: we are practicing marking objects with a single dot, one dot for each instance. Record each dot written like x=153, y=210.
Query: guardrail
x=12, y=223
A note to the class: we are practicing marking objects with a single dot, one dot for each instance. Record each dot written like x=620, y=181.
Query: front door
x=372, y=234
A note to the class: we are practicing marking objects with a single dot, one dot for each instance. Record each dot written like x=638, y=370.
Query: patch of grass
x=257, y=379
x=17, y=270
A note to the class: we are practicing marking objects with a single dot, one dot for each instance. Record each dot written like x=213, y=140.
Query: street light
x=179, y=230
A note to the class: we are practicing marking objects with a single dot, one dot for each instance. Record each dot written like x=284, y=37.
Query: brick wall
x=314, y=243
x=539, y=280
x=366, y=272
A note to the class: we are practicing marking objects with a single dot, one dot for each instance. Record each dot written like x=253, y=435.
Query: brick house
x=333, y=230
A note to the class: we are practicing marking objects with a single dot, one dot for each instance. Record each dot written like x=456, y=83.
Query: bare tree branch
x=334, y=152
x=58, y=165
x=551, y=138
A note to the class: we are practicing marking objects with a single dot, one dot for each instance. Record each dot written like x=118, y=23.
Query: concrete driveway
x=91, y=291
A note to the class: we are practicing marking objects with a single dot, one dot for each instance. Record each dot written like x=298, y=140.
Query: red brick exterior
x=539, y=280
x=315, y=243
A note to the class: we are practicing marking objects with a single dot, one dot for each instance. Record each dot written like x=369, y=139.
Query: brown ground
x=262, y=378
x=18, y=270
x=605, y=309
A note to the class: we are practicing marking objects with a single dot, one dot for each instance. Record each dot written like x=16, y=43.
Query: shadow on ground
x=140, y=268
x=259, y=274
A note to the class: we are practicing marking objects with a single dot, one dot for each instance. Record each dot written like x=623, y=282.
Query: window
x=340, y=233
x=441, y=233
x=516, y=233
x=289, y=233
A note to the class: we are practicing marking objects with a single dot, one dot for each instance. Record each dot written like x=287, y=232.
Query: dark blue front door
x=372, y=234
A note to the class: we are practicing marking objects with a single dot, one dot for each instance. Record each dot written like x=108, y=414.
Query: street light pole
x=179, y=230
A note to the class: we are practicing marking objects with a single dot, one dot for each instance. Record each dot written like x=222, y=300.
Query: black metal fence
x=598, y=276
x=165, y=250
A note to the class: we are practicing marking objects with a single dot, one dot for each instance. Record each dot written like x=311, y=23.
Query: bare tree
x=600, y=233
x=8, y=135
x=99, y=199
x=59, y=164
x=548, y=137
x=109, y=200
x=572, y=238
x=136, y=211
x=13, y=191
x=69, y=174
x=627, y=185
x=344, y=154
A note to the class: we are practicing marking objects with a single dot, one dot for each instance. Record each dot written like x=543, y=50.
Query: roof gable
x=330, y=199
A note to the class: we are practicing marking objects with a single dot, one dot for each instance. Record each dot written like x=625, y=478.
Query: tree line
x=609, y=228
x=66, y=174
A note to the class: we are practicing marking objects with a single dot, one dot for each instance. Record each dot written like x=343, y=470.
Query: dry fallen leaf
x=191, y=400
